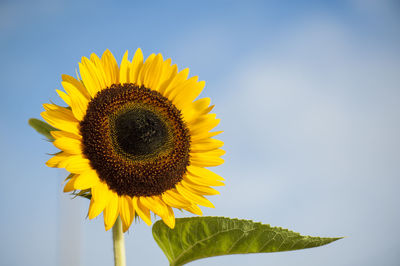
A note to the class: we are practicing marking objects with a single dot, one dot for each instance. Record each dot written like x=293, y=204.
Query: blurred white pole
x=70, y=229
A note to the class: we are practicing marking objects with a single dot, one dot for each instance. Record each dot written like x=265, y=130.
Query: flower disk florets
x=136, y=140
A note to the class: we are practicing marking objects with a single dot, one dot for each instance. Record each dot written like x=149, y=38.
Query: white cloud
x=314, y=127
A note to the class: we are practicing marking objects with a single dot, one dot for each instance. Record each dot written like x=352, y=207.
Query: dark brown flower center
x=140, y=132
x=136, y=140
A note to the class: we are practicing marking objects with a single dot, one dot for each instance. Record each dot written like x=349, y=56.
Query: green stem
x=119, y=243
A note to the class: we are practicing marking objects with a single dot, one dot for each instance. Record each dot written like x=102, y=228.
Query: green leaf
x=42, y=128
x=201, y=237
x=86, y=193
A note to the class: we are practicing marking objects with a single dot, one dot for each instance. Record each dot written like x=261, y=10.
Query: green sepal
x=86, y=193
x=202, y=237
x=42, y=128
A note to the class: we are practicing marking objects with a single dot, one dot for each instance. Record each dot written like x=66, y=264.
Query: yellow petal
x=101, y=195
x=197, y=108
x=137, y=63
x=206, y=145
x=58, y=160
x=127, y=212
x=125, y=69
x=208, y=154
x=62, y=120
x=70, y=184
x=200, y=120
x=94, y=71
x=110, y=67
x=168, y=74
x=204, y=135
x=61, y=111
x=64, y=134
x=86, y=180
x=155, y=205
x=204, y=125
x=187, y=92
x=204, y=173
x=206, y=162
x=78, y=164
x=78, y=101
x=110, y=213
x=169, y=219
x=69, y=145
x=64, y=96
x=202, y=106
x=141, y=210
x=205, y=180
x=77, y=84
x=89, y=77
x=153, y=74
x=174, y=199
x=165, y=73
x=198, y=189
x=143, y=71
x=176, y=81
x=194, y=209
x=198, y=199
x=205, y=159
x=92, y=206
x=98, y=68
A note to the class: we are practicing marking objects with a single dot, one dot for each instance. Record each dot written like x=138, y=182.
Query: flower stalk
x=119, y=243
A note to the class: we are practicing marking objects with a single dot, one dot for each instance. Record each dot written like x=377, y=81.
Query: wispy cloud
x=315, y=126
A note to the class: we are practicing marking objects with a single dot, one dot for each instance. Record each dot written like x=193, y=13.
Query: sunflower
x=135, y=137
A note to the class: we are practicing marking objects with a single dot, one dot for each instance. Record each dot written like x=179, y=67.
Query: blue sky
x=308, y=95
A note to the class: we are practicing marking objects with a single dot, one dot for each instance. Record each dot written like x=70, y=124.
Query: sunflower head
x=136, y=138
